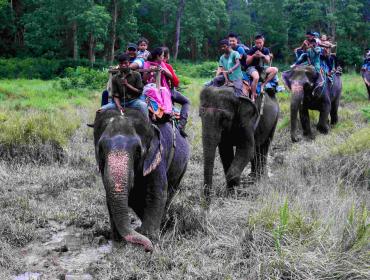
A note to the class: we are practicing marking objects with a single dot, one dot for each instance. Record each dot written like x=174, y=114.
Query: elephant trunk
x=211, y=134
x=118, y=180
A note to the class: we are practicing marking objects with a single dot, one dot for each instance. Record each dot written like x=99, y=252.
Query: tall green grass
x=36, y=112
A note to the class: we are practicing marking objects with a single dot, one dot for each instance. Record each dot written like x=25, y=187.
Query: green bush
x=357, y=142
x=202, y=70
x=366, y=112
x=83, y=77
x=41, y=68
x=38, y=127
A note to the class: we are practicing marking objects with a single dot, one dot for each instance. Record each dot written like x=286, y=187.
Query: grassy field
x=309, y=219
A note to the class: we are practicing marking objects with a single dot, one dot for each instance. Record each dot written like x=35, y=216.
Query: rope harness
x=173, y=147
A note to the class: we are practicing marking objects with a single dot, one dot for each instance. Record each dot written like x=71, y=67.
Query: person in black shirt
x=257, y=57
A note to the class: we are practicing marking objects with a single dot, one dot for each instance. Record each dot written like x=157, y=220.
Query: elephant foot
x=139, y=239
x=232, y=183
x=295, y=138
x=324, y=129
x=251, y=179
x=309, y=136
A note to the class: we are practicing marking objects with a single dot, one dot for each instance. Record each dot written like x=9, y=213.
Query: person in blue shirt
x=135, y=62
x=234, y=44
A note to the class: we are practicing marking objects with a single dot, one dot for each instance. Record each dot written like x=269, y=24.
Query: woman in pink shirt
x=157, y=88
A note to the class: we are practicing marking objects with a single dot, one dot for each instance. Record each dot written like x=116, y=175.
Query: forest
x=98, y=30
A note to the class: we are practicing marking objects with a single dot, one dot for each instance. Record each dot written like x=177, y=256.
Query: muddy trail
x=55, y=220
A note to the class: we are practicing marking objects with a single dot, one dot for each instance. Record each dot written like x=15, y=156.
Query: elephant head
x=302, y=80
x=127, y=148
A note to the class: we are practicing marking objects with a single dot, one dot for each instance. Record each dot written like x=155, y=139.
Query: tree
x=180, y=11
x=94, y=27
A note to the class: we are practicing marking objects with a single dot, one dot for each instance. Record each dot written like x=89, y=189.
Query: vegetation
x=98, y=29
x=36, y=112
x=309, y=219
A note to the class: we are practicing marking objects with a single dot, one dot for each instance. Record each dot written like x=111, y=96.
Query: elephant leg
x=209, y=152
x=226, y=151
x=243, y=155
x=322, y=125
x=334, y=112
x=137, y=200
x=305, y=122
x=155, y=202
x=294, y=108
x=173, y=185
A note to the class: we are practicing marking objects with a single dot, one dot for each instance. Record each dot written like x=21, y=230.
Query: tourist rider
x=257, y=57
x=177, y=97
x=127, y=87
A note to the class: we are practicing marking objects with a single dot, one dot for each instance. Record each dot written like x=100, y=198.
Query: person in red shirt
x=177, y=97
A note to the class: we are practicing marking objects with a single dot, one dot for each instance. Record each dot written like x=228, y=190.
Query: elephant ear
x=153, y=156
x=286, y=75
x=319, y=84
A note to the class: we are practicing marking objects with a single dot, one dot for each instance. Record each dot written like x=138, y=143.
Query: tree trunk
x=91, y=49
x=114, y=28
x=75, y=43
x=180, y=11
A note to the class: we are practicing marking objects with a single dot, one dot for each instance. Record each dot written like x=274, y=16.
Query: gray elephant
x=310, y=90
x=228, y=122
x=366, y=77
x=141, y=166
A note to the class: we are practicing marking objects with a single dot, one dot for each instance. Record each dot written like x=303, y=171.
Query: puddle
x=28, y=276
x=69, y=252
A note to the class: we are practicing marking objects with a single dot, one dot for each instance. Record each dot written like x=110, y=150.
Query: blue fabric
x=298, y=53
x=240, y=50
x=302, y=58
x=243, y=56
x=271, y=84
x=137, y=104
x=366, y=65
x=104, y=98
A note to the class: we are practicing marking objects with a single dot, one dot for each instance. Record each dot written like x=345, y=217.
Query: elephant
x=228, y=122
x=141, y=166
x=310, y=90
x=366, y=77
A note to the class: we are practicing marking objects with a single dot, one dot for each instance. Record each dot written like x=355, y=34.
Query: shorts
x=251, y=69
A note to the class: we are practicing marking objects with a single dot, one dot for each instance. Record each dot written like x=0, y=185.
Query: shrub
x=37, y=127
x=41, y=68
x=203, y=70
x=83, y=77
x=357, y=142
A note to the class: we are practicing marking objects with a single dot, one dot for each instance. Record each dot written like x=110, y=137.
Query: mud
x=66, y=254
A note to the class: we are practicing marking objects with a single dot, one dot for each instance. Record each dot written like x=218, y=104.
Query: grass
x=37, y=112
x=308, y=220
x=354, y=89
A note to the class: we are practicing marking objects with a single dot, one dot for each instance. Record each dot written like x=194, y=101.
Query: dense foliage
x=94, y=28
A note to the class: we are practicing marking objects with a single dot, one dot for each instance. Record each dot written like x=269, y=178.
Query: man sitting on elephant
x=257, y=57
x=229, y=71
x=127, y=87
